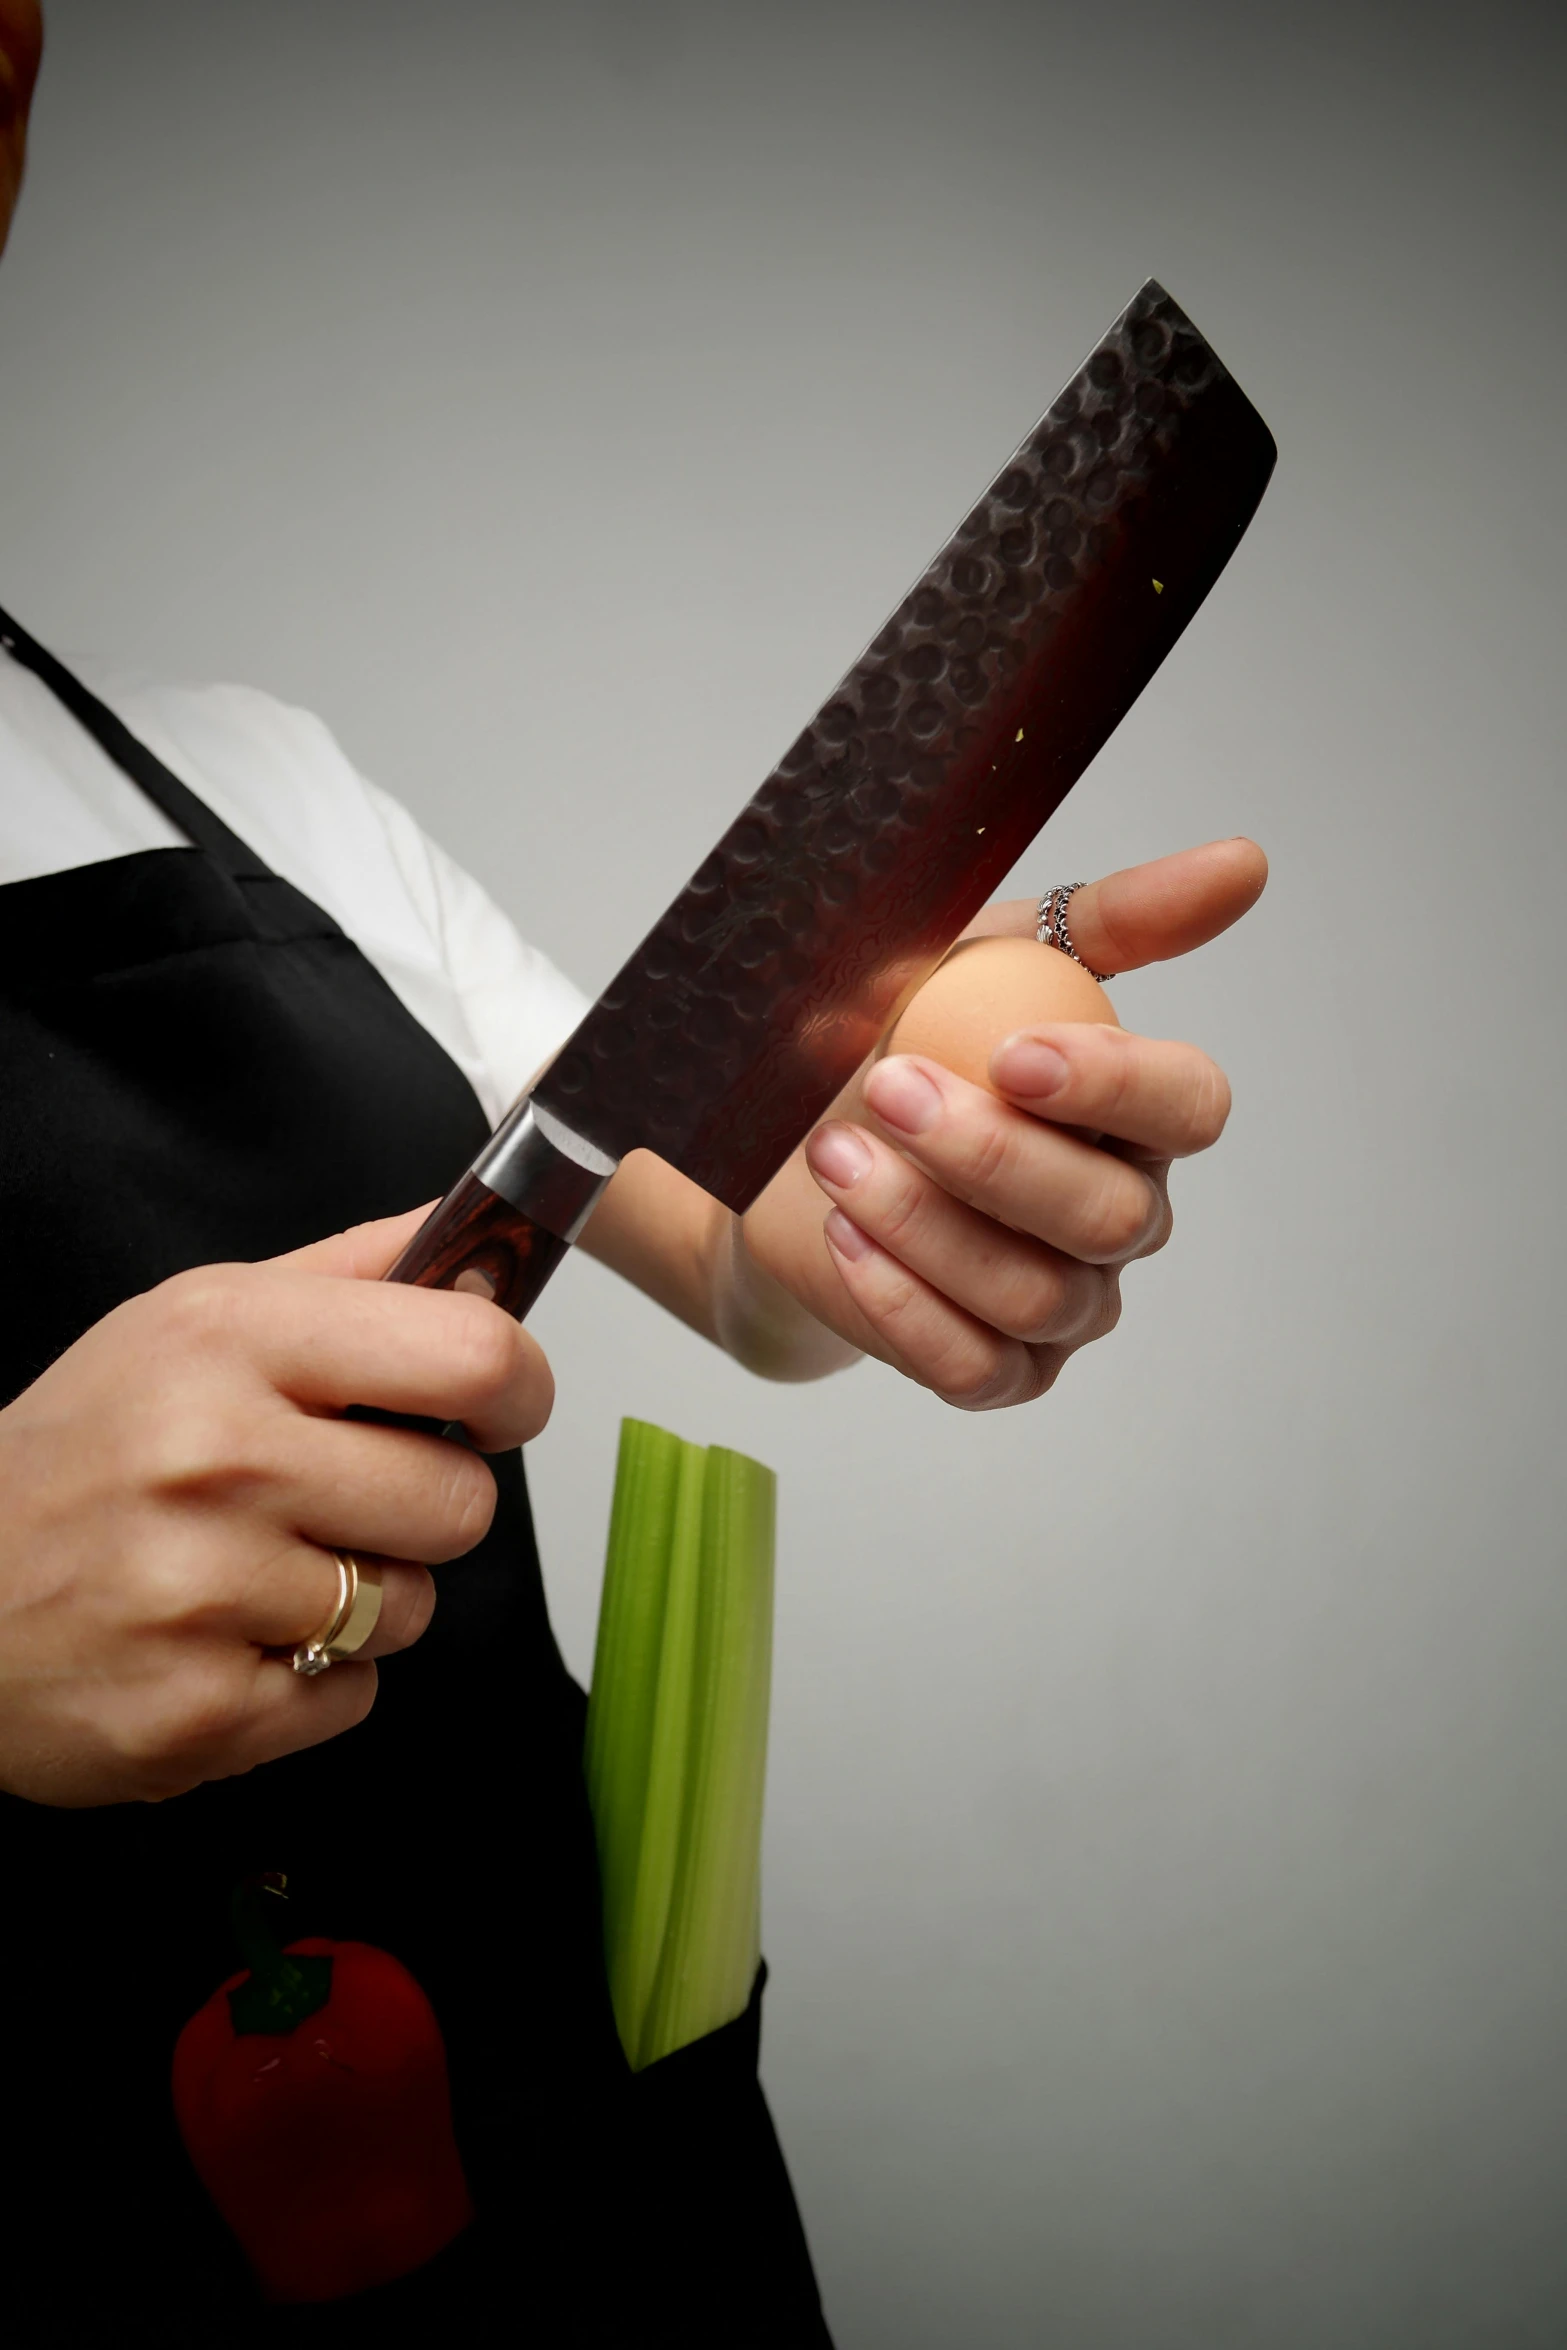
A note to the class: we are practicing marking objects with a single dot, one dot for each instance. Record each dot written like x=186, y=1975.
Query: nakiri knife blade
x=891, y=819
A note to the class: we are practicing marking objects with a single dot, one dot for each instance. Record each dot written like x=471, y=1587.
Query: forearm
x=690, y=1255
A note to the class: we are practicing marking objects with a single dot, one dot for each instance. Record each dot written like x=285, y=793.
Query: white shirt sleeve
x=518, y=1008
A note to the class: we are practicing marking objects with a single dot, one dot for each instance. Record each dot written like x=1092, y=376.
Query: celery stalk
x=625, y=1681
x=712, y=1942
x=677, y=1735
x=641, y=1939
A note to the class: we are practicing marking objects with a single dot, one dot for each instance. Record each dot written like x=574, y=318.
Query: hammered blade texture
x=929, y=769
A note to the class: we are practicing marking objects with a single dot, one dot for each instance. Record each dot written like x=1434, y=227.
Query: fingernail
x=903, y=1096
x=846, y=1237
x=1027, y=1065
x=836, y=1153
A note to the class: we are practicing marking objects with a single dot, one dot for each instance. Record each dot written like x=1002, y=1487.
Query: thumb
x=364, y=1252
x=1147, y=913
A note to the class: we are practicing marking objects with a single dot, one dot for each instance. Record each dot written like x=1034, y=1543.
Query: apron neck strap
x=161, y=785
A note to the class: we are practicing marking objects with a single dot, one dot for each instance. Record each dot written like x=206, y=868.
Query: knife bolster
x=478, y=1242
x=536, y=1163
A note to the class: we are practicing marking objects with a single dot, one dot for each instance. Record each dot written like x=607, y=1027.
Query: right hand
x=171, y=1487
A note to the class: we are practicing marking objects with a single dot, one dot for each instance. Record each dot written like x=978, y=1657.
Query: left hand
x=976, y=1243
x=972, y=1242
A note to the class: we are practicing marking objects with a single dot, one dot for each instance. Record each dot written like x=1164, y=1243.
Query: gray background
x=1166, y=1841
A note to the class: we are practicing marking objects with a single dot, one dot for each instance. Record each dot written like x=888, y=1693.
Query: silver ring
x=351, y=1622
x=1051, y=930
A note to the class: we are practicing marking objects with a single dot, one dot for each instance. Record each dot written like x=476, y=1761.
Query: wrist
x=758, y=1321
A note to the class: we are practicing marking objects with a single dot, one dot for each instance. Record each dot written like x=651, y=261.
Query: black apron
x=197, y=1066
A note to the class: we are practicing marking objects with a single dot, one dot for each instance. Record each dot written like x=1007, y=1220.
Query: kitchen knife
x=892, y=818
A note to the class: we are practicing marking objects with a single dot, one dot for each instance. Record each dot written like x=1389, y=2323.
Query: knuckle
x=539, y=1386
x=487, y=1345
x=1038, y=1306
x=334, y=1705
x=1118, y=949
x=1101, y=1313
x=1076, y=1312
x=467, y=1505
x=205, y=1450
x=1116, y=1215
x=1160, y=1227
x=189, y=1722
x=172, y=1590
x=903, y=1211
x=201, y=1308
x=410, y=1603
x=216, y=1712
x=1122, y=1070
x=893, y=1299
x=989, y=1154
x=978, y=1377
x=1209, y=1107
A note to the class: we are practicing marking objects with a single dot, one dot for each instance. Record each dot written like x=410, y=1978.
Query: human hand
x=976, y=1238
x=173, y=1485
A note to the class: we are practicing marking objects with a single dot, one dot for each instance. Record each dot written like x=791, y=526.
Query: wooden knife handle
x=477, y=1241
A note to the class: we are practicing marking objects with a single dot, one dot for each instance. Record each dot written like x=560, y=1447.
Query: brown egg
x=985, y=990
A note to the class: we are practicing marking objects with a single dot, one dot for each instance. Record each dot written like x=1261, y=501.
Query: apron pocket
x=726, y=2261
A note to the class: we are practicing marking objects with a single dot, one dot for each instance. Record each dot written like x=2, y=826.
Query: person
x=252, y=1022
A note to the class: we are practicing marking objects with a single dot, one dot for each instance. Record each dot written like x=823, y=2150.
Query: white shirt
x=279, y=779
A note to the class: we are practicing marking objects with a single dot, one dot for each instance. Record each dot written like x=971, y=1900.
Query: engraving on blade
x=922, y=780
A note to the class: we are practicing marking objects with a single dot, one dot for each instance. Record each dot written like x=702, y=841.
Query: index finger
x=1164, y=1098
x=1148, y=913
x=365, y=1252
x=431, y=1353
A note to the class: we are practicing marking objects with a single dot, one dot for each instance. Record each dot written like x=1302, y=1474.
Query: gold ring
x=352, y=1620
